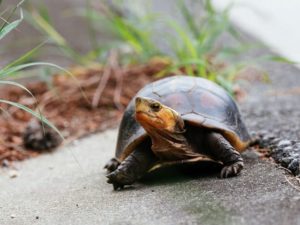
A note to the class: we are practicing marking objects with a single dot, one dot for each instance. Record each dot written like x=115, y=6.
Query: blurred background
x=273, y=22
x=77, y=22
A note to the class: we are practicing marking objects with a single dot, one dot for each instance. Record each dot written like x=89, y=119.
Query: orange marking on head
x=152, y=114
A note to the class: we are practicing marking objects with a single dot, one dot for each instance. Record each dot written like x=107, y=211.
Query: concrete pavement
x=54, y=189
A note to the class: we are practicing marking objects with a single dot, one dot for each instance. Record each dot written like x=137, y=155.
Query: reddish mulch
x=92, y=102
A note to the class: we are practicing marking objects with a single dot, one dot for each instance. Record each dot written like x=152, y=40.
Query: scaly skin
x=132, y=168
x=223, y=151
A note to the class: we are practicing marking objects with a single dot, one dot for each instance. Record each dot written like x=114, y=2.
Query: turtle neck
x=170, y=145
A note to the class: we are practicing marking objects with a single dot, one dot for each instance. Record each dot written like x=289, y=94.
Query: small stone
x=295, y=155
x=273, y=147
x=288, y=149
x=5, y=163
x=262, y=133
x=270, y=137
x=13, y=174
x=285, y=154
x=37, y=217
x=277, y=150
x=297, y=145
x=250, y=154
x=296, y=198
x=286, y=161
x=284, y=143
x=294, y=167
x=275, y=141
x=12, y=216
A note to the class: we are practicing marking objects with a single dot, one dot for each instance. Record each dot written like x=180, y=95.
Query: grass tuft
x=17, y=65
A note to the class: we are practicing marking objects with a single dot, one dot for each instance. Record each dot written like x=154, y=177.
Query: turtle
x=176, y=120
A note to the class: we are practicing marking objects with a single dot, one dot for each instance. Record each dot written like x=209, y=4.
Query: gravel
x=272, y=110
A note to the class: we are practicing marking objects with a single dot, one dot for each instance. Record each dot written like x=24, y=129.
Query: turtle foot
x=112, y=165
x=119, y=179
x=232, y=170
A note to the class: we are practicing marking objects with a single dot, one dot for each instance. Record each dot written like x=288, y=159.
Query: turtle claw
x=119, y=179
x=111, y=178
x=112, y=165
x=232, y=170
x=118, y=187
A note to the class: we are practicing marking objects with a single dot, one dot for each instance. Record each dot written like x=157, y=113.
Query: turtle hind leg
x=132, y=168
x=112, y=165
x=222, y=150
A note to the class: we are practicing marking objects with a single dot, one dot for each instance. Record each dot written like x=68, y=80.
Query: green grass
x=15, y=66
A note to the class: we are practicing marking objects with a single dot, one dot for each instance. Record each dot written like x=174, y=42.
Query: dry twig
x=105, y=77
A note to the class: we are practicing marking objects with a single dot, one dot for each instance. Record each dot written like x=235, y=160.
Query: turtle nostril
x=138, y=100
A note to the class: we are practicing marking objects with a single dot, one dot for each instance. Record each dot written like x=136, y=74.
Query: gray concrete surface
x=54, y=189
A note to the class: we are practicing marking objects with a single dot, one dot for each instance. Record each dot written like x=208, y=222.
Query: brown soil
x=92, y=102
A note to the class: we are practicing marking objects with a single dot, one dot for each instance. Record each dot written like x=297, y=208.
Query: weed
x=15, y=66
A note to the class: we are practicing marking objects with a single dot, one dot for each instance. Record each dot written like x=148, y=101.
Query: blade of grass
x=9, y=71
x=11, y=26
x=209, y=7
x=188, y=43
x=48, y=28
x=92, y=32
x=12, y=13
x=24, y=57
x=276, y=58
x=13, y=83
x=40, y=23
x=28, y=91
x=189, y=18
x=25, y=89
x=35, y=114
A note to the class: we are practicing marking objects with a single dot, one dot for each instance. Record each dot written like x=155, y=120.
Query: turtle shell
x=200, y=102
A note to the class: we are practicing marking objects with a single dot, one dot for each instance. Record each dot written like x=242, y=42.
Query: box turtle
x=179, y=119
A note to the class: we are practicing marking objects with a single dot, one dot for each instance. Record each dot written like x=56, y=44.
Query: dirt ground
x=93, y=100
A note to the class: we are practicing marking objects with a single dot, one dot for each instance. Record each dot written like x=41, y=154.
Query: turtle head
x=152, y=114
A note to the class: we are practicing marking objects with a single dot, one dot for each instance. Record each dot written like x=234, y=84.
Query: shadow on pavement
x=183, y=172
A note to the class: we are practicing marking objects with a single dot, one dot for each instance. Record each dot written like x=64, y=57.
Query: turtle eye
x=155, y=106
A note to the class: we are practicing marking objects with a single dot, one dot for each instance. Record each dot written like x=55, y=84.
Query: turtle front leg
x=132, y=168
x=222, y=150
